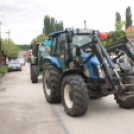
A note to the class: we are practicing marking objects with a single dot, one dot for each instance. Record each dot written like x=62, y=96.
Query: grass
x=3, y=69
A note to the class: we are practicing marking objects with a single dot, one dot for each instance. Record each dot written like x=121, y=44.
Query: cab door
x=61, y=50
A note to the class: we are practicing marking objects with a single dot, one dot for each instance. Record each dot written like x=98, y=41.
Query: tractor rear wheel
x=34, y=73
x=129, y=102
x=74, y=95
x=51, y=84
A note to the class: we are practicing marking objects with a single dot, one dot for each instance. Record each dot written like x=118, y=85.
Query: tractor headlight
x=71, y=65
x=101, y=72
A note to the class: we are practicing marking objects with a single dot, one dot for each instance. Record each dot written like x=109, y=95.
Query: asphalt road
x=24, y=110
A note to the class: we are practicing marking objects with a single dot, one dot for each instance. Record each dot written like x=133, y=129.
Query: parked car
x=14, y=64
x=22, y=60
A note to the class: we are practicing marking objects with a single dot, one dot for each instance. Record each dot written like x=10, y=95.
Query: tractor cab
x=64, y=46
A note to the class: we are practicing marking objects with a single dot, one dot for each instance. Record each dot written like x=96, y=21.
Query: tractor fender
x=72, y=71
x=53, y=60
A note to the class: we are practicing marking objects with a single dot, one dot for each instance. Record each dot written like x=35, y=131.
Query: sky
x=24, y=18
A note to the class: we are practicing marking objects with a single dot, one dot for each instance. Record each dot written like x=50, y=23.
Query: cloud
x=25, y=18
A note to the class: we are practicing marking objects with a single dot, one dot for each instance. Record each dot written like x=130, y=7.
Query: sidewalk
x=1, y=75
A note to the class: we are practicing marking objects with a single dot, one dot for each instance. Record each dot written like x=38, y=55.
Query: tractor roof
x=53, y=34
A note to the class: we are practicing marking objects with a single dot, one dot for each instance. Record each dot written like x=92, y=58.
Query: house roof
x=130, y=31
x=130, y=28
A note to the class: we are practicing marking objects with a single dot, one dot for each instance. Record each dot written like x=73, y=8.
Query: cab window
x=60, y=45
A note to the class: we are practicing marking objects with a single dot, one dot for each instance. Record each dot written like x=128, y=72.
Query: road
x=24, y=110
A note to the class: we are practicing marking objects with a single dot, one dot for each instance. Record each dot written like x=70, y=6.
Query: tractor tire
x=128, y=103
x=34, y=73
x=74, y=95
x=95, y=97
x=51, y=83
x=30, y=70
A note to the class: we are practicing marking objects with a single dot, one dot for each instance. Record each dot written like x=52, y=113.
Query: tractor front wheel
x=129, y=102
x=74, y=95
x=34, y=73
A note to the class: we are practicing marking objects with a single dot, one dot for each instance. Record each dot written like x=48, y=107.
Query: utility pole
x=0, y=29
x=0, y=43
x=0, y=46
x=0, y=36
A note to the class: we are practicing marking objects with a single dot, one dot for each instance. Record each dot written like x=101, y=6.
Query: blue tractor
x=79, y=67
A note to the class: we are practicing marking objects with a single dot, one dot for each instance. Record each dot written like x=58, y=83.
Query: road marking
x=60, y=120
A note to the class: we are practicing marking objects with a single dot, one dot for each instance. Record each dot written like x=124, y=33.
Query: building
x=130, y=33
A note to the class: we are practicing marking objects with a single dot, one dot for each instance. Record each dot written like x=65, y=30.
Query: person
x=112, y=55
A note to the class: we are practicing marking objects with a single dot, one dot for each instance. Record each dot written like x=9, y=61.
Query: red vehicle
x=28, y=55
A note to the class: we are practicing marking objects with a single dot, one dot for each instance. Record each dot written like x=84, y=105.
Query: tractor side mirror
x=69, y=36
x=103, y=36
x=48, y=42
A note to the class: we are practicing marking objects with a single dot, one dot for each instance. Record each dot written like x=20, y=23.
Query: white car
x=22, y=60
x=14, y=64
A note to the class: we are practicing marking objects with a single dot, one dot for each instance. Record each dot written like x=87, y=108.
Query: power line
x=16, y=29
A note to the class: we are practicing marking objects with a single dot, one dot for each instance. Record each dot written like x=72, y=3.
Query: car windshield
x=81, y=40
x=21, y=58
x=14, y=61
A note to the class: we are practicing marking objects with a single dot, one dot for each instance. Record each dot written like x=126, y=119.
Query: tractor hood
x=93, y=60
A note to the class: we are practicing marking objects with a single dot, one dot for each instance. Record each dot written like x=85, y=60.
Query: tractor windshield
x=81, y=40
x=43, y=51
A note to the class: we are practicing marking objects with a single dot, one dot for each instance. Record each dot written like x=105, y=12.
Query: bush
x=109, y=41
x=3, y=69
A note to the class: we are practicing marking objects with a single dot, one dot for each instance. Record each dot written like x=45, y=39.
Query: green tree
x=47, y=25
x=119, y=35
x=118, y=17
x=128, y=17
x=59, y=26
x=118, y=22
x=51, y=25
x=24, y=47
x=9, y=48
x=119, y=25
x=39, y=39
